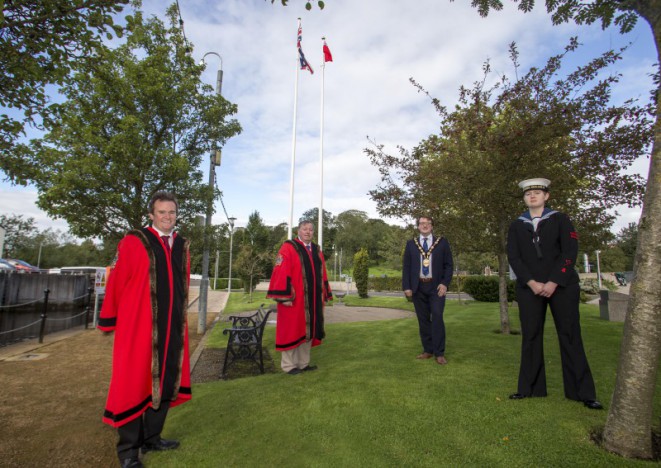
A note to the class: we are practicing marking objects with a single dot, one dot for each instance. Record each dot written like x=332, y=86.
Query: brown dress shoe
x=424, y=356
x=441, y=360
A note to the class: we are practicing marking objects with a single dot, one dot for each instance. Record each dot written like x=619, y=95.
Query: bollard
x=87, y=308
x=43, y=316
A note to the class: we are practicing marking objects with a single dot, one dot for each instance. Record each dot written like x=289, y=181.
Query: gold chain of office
x=427, y=254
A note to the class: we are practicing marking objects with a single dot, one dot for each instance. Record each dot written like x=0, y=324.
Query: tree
x=351, y=233
x=361, y=270
x=250, y=263
x=475, y=263
x=48, y=248
x=628, y=426
x=626, y=240
x=18, y=232
x=256, y=252
x=390, y=247
x=40, y=43
x=136, y=120
x=565, y=129
x=308, y=5
x=256, y=233
x=612, y=259
x=218, y=238
x=277, y=235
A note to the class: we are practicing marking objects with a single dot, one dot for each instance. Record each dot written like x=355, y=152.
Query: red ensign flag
x=327, y=54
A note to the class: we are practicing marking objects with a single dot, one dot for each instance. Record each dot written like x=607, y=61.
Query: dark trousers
x=576, y=374
x=429, y=309
x=142, y=430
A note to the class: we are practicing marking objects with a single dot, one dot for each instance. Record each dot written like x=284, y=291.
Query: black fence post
x=44, y=313
x=87, y=309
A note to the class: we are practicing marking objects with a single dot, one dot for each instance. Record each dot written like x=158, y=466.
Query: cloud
x=377, y=46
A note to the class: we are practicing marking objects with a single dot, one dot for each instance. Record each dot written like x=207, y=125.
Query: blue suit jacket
x=441, y=265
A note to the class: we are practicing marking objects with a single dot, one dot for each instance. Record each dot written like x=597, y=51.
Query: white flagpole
x=293, y=145
x=321, y=155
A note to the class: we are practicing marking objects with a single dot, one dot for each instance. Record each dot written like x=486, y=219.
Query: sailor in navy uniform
x=542, y=246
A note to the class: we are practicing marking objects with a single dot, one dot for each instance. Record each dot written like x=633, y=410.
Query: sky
x=377, y=45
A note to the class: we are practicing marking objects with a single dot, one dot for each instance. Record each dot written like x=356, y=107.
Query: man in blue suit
x=425, y=278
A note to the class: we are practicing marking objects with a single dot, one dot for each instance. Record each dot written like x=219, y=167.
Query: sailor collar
x=546, y=214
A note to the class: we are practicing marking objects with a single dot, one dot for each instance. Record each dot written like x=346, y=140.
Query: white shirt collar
x=161, y=233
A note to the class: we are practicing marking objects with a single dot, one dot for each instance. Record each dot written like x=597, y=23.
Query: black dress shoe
x=517, y=396
x=162, y=444
x=131, y=463
x=593, y=404
x=294, y=371
x=309, y=368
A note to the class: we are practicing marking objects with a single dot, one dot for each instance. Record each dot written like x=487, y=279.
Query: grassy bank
x=371, y=403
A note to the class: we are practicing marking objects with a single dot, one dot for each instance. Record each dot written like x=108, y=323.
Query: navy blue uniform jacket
x=441, y=265
x=558, y=244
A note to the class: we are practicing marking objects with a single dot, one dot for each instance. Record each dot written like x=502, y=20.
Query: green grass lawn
x=372, y=404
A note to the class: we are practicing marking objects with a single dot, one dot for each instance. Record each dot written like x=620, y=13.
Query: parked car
x=6, y=266
x=22, y=266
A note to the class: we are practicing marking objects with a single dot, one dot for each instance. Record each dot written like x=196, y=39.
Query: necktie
x=166, y=241
x=309, y=247
x=425, y=247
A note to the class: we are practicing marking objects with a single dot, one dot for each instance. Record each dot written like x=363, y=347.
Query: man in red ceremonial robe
x=299, y=284
x=146, y=305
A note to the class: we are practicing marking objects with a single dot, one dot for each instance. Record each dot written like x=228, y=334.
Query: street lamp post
x=204, y=283
x=2, y=241
x=229, y=280
x=335, y=264
x=41, y=244
x=215, y=271
x=598, y=269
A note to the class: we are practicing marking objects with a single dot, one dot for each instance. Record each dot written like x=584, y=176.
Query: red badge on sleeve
x=573, y=235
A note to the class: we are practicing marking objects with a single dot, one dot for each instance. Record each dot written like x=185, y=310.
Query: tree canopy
x=308, y=5
x=136, y=120
x=546, y=123
x=41, y=41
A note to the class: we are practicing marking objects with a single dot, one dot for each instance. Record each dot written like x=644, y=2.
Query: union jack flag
x=301, y=56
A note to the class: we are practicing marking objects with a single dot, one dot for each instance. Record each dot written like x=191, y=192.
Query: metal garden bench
x=245, y=339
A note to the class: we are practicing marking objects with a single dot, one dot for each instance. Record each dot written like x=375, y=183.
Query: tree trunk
x=628, y=429
x=503, y=276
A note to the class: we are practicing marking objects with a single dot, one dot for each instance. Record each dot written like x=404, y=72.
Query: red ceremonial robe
x=299, y=276
x=146, y=306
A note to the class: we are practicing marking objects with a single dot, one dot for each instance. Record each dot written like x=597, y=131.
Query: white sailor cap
x=535, y=184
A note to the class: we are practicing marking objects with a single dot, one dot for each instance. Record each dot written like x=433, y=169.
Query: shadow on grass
x=210, y=365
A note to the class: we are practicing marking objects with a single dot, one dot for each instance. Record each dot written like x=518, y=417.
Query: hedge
x=221, y=283
x=485, y=288
x=394, y=283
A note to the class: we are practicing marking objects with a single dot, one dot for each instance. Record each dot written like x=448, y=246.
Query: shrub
x=394, y=283
x=221, y=283
x=485, y=288
x=361, y=271
x=591, y=285
x=389, y=283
